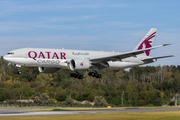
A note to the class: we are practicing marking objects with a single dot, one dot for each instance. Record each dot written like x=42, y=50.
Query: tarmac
x=25, y=112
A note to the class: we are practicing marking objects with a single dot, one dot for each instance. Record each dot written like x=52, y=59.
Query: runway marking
x=38, y=113
x=46, y=113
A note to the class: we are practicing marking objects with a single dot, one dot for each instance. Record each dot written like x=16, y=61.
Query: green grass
x=172, y=115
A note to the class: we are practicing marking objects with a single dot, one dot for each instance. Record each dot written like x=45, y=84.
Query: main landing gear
x=95, y=74
x=77, y=75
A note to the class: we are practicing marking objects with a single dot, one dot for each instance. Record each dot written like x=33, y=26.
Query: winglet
x=167, y=44
x=158, y=57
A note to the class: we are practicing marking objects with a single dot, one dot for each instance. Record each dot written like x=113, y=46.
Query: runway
x=20, y=112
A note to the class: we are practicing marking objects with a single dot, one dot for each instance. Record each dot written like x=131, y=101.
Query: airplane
x=51, y=60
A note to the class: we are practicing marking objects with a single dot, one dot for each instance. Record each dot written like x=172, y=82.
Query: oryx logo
x=82, y=64
x=147, y=43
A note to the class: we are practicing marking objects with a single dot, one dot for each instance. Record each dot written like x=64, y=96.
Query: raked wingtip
x=167, y=44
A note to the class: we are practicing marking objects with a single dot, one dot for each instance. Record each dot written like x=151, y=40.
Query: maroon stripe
x=151, y=35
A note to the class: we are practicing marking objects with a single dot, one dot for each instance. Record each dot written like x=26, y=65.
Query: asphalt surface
x=19, y=112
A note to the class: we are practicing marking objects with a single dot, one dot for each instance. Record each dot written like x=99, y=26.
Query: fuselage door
x=25, y=54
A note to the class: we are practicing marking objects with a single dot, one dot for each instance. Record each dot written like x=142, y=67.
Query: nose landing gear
x=18, y=68
x=19, y=72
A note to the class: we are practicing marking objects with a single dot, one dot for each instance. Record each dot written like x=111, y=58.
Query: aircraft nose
x=6, y=58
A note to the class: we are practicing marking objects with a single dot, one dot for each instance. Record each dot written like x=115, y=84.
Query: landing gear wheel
x=90, y=73
x=80, y=77
x=96, y=75
x=93, y=74
x=99, y=76
x=76, y=75
x=72, y=74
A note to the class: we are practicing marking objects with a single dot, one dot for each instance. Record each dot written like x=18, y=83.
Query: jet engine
x=79, y=64
x=47, y=69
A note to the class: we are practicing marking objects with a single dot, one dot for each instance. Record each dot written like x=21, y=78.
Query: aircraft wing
x=124, y=55
x=158, y=57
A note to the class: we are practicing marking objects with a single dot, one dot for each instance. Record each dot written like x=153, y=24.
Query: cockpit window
x=10, y=53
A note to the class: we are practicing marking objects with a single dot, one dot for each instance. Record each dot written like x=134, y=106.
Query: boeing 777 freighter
x=51, y=60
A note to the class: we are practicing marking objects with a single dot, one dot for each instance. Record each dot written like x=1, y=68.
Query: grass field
x=172, y=115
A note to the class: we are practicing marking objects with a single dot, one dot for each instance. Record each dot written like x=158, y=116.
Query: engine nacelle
x=79, y=64
x=47, y=69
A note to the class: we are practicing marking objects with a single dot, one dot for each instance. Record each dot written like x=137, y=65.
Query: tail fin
x=147, y=41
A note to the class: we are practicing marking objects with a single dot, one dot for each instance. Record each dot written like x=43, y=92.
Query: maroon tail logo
x=147, y=43
x=82, y=64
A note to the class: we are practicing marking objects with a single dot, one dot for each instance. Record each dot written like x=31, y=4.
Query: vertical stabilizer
x=147, y=41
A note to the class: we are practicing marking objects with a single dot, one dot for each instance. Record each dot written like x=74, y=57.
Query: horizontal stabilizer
x=158, y=57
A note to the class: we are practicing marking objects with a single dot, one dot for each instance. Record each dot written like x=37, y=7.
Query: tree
x=130, y=90
x=43, y=99
x=69, y=101
x=100, y=101
x=142, y=85
x=61, y=96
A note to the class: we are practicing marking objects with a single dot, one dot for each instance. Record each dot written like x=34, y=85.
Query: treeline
x=141, y=85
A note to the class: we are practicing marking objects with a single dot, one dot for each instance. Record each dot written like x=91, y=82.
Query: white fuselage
x=41, y=57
